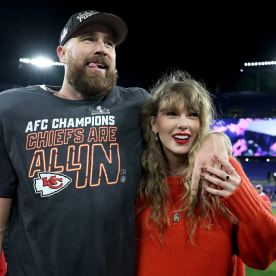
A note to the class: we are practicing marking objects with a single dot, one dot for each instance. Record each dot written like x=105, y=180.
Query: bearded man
x=67, y=191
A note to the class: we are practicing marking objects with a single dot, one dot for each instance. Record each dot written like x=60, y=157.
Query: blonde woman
x=179, y=233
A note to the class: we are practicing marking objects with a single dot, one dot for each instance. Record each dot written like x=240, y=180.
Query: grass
x=268, y=272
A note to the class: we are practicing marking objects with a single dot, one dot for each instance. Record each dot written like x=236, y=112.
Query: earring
x=156, y=137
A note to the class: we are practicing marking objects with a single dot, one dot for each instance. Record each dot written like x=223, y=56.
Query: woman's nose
x=183, y=124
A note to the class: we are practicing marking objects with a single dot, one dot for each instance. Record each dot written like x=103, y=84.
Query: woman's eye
x=171, y=113
x=194, y=114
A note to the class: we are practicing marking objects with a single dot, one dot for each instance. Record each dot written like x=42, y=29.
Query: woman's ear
x=153, y=124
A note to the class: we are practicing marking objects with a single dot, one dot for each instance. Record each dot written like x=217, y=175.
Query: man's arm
x=5, y=210
x=216, y=143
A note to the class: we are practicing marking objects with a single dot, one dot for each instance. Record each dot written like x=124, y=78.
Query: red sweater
x=212, y=253
x=3, y=265
x=266, y=199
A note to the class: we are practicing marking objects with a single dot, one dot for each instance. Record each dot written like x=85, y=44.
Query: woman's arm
x=256, y=232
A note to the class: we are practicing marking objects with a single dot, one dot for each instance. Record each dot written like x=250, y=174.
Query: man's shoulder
x=132, y=93
x=20, y=97
x=130, y=89
x=20, y=90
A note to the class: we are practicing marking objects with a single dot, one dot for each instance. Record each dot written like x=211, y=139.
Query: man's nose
x=100, y=47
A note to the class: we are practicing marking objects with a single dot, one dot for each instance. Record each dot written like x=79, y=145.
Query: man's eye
x=88, y=39
x=109, y=44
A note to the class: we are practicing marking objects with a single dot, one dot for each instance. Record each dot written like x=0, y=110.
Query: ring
x=227, y=177
x=230, y=172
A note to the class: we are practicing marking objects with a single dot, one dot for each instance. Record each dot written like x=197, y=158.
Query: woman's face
x=177, y=129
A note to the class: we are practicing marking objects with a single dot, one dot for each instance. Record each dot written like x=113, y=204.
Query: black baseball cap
x=113, y=22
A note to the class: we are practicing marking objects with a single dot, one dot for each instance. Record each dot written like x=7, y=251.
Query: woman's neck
x=177, y=166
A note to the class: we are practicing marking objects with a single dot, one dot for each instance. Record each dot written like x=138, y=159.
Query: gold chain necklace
x=176, y=216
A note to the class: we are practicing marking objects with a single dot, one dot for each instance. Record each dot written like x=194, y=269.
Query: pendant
x=176, y=217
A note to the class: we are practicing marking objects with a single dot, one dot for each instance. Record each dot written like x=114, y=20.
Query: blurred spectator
x=259, y=189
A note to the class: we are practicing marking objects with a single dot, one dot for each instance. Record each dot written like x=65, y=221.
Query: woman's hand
x=225, y=179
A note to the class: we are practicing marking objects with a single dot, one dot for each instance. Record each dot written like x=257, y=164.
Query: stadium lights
x=259, y=63
x=40, y=62
x=255, y=65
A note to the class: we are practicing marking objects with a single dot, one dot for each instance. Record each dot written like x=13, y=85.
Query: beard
x=90, y=83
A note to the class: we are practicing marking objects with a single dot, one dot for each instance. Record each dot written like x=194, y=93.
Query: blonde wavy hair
x=177, y=90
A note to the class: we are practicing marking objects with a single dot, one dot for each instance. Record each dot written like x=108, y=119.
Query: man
x=70, y=160
x=259, y=189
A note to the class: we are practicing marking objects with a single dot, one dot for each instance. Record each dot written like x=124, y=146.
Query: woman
x=182, y=234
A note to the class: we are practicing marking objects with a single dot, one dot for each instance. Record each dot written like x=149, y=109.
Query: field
x=269, y=272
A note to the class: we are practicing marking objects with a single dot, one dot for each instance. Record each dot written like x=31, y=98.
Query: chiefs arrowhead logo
x=48, y=184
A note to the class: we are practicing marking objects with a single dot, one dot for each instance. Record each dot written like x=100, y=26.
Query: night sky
x=209, y=41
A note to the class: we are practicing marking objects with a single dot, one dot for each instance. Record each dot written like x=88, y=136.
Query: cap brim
x=114, y=23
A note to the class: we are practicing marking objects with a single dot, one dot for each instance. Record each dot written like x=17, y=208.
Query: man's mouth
x=97, y=65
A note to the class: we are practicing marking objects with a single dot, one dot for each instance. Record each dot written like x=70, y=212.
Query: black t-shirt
x=72, y=169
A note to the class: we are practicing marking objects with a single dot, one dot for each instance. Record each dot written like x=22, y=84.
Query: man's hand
x=5, y=209
x=215, y=143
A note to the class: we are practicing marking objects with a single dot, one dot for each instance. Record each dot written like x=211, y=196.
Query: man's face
x=91, y=61
x=259, y=190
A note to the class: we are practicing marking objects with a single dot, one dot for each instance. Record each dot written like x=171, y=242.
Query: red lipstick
x=181, y=138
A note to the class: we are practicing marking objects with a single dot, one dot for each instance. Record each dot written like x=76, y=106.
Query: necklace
x=176, y=216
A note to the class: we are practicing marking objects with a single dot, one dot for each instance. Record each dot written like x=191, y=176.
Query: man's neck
x=69, y=93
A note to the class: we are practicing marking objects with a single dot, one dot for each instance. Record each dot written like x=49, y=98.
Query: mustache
x=98, y=59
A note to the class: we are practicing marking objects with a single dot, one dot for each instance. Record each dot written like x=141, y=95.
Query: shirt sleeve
x=256, y=232
x=7, y=175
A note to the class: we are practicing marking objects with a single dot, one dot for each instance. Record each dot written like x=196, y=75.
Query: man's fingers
x=195, y=181
x=189, y=175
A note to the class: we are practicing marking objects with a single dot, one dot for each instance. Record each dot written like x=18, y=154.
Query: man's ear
x=61, y=54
